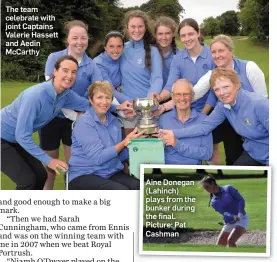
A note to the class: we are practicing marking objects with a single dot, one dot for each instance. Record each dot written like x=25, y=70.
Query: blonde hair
x=224, y=73
x=226, y=40
x=98, y=86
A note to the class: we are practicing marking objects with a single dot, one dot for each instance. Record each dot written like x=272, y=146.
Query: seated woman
x=97, y=146
x=247, y=112
x=227, y=201
x=190, y=151
x=35, y=107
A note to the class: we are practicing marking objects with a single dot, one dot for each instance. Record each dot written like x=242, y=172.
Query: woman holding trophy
x=97, y=146
x=141, y=63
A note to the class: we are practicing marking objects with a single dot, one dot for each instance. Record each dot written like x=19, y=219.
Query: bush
x=12, y=71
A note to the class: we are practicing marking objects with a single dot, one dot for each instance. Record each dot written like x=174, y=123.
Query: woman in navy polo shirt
x=227, y=201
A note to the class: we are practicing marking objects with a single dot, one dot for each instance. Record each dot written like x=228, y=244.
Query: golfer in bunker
x=227, y=201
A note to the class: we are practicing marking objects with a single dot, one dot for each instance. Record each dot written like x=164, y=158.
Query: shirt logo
x=247, y=121
x=135, y=149
x=205, y=66
x=139, y=61
x=84, y=75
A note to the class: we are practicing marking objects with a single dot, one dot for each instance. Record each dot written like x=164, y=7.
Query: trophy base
x=148, y=130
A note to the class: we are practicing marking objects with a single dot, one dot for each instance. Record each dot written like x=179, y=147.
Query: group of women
x=145, y=66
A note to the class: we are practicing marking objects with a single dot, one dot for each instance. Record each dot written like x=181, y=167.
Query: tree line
x=103, y=16
x=251, y=20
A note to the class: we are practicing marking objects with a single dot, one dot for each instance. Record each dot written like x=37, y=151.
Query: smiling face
x=101, y=102
x=189, y=37
x=77, y=41
x=65, y=75
x=182, y=95
x=225, y=90
x=222, y=56
x=164, y=36
x=114, y=47
x=136, y=28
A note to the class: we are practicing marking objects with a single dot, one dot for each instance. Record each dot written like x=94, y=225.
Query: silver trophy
x=144, y=108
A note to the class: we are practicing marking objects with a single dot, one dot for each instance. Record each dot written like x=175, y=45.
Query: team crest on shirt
x=84, y=75
x=139, y=61
x=247, y=121
x=205, y=66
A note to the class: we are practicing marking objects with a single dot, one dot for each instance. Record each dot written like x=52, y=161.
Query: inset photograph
x=217, y=210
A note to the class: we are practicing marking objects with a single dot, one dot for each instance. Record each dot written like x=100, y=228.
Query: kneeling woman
x=35, y=107
x=228, y=202
x=97, y=149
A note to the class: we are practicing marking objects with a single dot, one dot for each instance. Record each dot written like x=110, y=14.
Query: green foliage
x=254, y=18
x=228, y=23
x=12, y=71
x=101, y=17
x=210, y=26
x=204, y=217
x=155, y=8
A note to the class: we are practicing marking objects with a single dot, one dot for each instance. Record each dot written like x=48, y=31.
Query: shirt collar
x=51, y=92
x=85, y=59
x=137, y=44
x=110, y=117
x=203, y=54
x=221, y=190
x=107, y=58
x=192, y=116
x=237, y=103
x=235, y=66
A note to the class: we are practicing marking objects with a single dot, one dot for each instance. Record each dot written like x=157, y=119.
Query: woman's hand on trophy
x=127, y=105
x=126, y=110
x=133, y=135
x=156, y=96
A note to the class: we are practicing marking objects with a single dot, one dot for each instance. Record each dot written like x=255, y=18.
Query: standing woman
x=164, y=30
x=227, y=201
x=21, y=158
x=141, y=63
x=191, y=63
x=109, y=63
x=59, y=129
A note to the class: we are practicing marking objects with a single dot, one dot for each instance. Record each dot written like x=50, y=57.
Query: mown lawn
x=254, y=191
x=201, y=248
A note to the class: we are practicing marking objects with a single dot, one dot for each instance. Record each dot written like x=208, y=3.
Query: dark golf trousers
x=22, y=168
x=246, y=160
x=118, y=181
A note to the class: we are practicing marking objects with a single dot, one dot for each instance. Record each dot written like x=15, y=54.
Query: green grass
x=254, y=191
x=210, y=171
x=201, y=248
x=10, y=90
